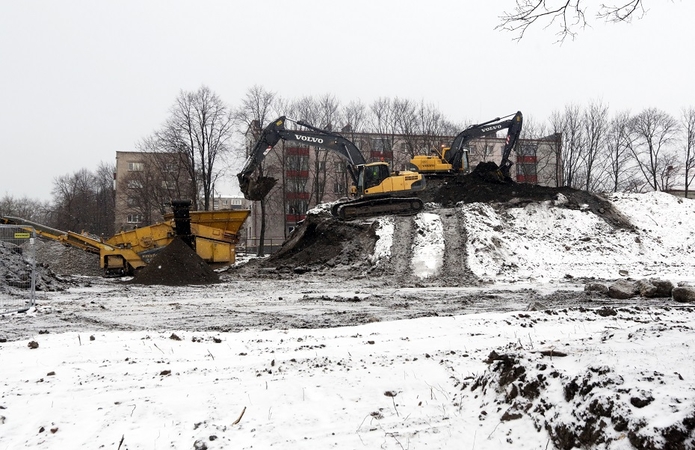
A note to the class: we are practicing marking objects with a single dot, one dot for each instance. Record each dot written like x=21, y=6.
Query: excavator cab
x=441, y=162
x=375, y=179
x=454, y=159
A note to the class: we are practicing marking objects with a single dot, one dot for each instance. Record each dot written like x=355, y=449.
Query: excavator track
x=361, y=208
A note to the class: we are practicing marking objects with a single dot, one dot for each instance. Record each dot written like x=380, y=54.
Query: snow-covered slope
x=544, y=241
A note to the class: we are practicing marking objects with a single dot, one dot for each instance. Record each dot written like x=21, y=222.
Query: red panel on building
x=297, y=196
x=526, y=159
x=380, y=155
x=295, y=217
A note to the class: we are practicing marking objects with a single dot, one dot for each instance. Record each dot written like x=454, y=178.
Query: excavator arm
x=257, y=188
x=455, y=154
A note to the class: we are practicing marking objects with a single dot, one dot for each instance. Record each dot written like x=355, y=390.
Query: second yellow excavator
x=453, y=160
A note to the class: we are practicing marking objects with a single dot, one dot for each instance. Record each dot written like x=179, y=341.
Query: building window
x=134, y=184
x=340, y=167
x=135, y=218
x=339, y=188
x=132, y=201
x=136, y=166
x=526, y=149
x=298, y=163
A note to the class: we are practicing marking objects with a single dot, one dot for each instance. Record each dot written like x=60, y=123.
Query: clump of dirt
x=176, y=265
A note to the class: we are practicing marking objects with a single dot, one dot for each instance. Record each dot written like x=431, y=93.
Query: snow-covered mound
x=545, y=241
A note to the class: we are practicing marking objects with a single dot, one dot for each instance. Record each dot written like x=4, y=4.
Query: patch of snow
x=428, y=245
x=322, y=208
x=543, y=242
x=382, y=248
x=399, y=384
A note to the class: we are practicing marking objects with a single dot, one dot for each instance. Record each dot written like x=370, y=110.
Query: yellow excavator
x=453, y=160
x=212, y=234
x=376, y=190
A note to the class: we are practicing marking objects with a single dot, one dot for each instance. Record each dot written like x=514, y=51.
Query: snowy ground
x=321, y=362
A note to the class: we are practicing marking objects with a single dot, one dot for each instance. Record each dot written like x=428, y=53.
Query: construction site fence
x=17, y=268
x=250, y=246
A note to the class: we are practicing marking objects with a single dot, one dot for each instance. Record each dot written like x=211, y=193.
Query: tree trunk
x=261, y=238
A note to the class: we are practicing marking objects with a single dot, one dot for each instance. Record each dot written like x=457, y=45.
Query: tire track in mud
x=402, y=248
x=455, y=270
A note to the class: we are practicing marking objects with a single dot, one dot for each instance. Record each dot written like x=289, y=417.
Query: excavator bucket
x=256, y=189
x=492, y=173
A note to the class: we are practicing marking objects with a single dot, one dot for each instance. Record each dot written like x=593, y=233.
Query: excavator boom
x=257, y=188
x=378, y=190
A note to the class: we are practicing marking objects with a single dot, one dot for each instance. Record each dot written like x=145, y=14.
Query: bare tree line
x=203, y=138
x=647, y=151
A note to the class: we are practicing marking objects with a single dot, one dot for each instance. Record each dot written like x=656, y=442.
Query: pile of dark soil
x=323, y=242
x=478, y=187
x=176, y=265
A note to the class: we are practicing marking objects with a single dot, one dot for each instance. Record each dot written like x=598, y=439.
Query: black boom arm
x=484, y=129
x=275, y=132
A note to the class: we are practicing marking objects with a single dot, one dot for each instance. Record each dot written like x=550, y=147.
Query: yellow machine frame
x=215, y=235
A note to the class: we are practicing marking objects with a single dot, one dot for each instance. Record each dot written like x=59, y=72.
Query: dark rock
x=596, y=287
x=663, y=287
x=646, y=289
x=683, y=294
x=623, y=289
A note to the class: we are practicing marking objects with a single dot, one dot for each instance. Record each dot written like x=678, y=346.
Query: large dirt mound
x=323, y=244
x=66, y=260
x=176, y=265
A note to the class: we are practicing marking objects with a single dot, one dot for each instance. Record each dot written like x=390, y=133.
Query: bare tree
x=569, y=123
x=688, y=126
x=618, y=143
x=105, y=198
x=328, y=109
x=653, y=131
x=354, y=115
x=567, y=16
x=26, y=208
x=75, y=204
x=199, y=129
x=382, y=121
x=253, y=114
x=595, y=123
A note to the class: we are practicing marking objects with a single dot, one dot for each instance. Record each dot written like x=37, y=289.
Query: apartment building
x=145, y=183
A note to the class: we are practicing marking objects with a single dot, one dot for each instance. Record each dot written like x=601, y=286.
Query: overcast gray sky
x=80, y=80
